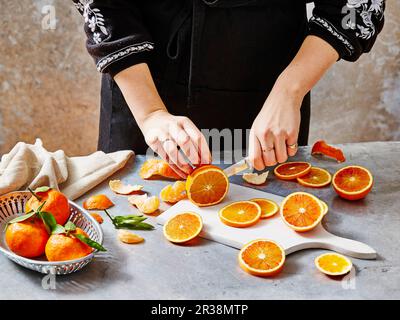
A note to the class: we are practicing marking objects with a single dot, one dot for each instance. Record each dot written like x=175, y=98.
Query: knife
x=238, y=167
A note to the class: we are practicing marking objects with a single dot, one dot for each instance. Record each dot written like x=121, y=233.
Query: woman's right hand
x=164, y=133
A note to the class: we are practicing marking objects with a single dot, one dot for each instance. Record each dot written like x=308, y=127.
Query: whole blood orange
x=292, y=170
x=352, y=182
x=62, y=247
x=56, y=204
x=207, y=185
x=27, y=238
x=262, y=258
x=302, y=211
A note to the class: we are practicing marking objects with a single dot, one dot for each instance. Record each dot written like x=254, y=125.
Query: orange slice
x=292, y=170
x=97, y=217
x=321, y=147
x=97, y=202
x=240, y=214
x=144, y=203
x=157, y=167
x=262, y=258
x=174, y=193
x=315, y=178
x=118, y=187
x=255, y=178
x=268, y=207
x=183, y=227
x=352, y=182
x=302, y=211
x=333, y=264
x=326, y=208
x=207, y=185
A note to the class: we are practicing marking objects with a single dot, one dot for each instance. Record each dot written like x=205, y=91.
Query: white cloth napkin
x=31, y=165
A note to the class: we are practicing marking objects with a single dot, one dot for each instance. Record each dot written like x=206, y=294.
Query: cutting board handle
x=348, y=247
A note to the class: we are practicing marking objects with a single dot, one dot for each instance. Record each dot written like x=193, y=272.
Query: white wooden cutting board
x=272, y=228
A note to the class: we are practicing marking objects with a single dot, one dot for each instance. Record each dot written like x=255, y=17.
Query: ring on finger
x=293, y=146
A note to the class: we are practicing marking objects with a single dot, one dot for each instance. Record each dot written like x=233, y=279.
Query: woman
x=171, y=67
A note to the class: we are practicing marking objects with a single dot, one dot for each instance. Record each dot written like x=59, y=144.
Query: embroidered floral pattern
x=93, y=18
x=106, y=61
x=366, y=9
x=328, y=26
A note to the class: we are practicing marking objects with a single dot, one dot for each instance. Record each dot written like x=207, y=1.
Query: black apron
x=217, y=67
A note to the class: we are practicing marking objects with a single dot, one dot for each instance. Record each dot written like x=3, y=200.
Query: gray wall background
x=49, y=87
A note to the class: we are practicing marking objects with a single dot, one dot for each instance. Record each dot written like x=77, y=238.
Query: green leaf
x=58, y=229
x=70, y=226
x=89, y=242
x=48, y=220
x=131, y=222
x=23, y=217
x=42, y=189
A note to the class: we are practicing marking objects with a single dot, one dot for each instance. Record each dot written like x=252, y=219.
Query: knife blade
x=238, y=167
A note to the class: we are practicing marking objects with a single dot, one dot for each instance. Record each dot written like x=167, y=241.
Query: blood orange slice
x=315, y=178
x=183, y=227
x=262, y=258
x=321, y=147
x=352, y=182
x=302, y=211
x=268, y=207
x=240, y=214
x=207, y=185
x=292, y=170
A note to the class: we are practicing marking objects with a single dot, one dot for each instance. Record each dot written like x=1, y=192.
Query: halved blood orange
x=302, y=211
x=183, y=227
x=240, y=214
x=292, y=170
x=315, y=178
x=333, y=264
x=207, y=185
x=352, y=182
x=262, y=258
x=268, y=207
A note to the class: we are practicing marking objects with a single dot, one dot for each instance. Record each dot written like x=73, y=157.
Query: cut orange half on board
x=173, y=193
x=302, y=211
x=262, y=258
x=333, y=264
x=352, y=182
x=268, y=207
x=97, y=202
x=183, y=227
x=157, y=168
x=207, y=185
x=315, y=178
x=240, y=214
x=292, y=170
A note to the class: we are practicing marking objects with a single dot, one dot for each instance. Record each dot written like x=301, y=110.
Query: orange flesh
x=315, y=176
x=262, y=255
x=352, y=179
x=333, y=263
x=183, y=227
x=210, y=187
x=293, y=168
x=301, y=211
x=240, y=212
x=267, y=207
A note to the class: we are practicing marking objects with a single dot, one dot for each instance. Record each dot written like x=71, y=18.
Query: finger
x=199, y=141
x=280, y=148
x=255, y=153
x=291, y=144
x=268, y=153
x=171, y=148
x=188, y=148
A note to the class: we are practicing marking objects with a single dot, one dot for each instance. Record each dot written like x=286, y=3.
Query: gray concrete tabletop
x=158, y=269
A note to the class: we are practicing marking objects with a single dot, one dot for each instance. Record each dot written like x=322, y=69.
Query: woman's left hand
x=274, y=133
